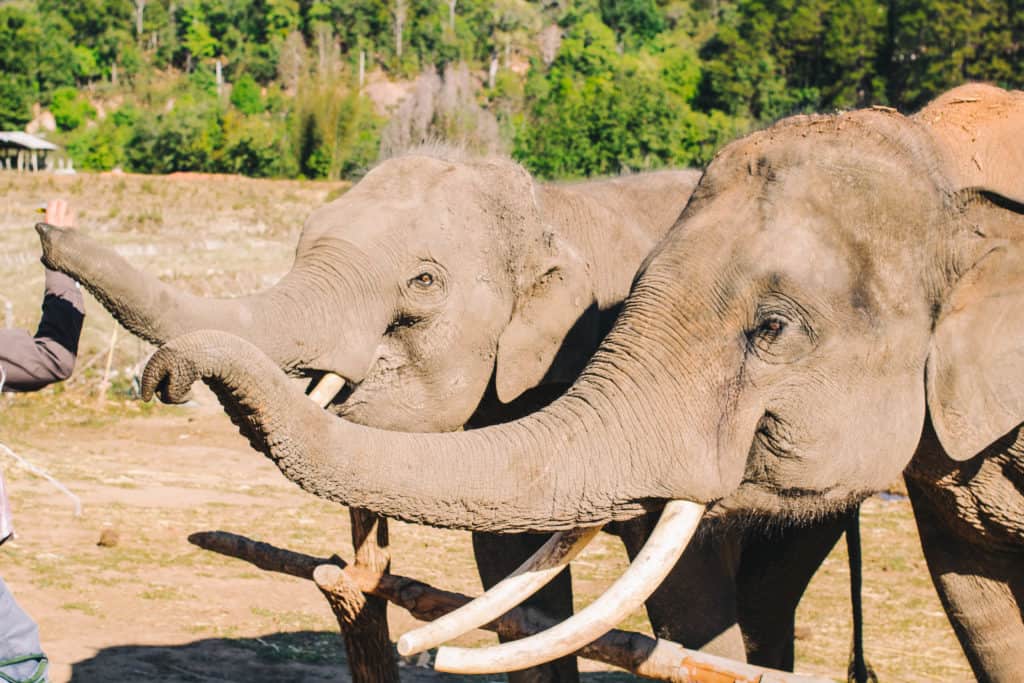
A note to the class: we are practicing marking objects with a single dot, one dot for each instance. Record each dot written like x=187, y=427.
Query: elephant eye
x=778, y=337
x=772, y=327
x=423, y=280
x=763, y=336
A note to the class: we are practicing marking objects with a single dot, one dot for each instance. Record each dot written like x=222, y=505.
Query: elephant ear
x=548, y=338
x=977, y=129
x=975, y=373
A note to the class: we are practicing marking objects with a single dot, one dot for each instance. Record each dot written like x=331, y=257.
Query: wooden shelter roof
x=24, y=140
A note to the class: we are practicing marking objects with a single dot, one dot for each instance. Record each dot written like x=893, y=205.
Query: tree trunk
x=451, y=14
x=401, y=7
x=140, y=7
x=363, y=618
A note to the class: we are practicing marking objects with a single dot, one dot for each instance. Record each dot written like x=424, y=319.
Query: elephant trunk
x=531, y=476
x=291, y=322
x=598, y=454
x=571, y=465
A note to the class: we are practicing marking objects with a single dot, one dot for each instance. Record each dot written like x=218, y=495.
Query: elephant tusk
x=326, y=389
x=536, y=572
x=656, y=559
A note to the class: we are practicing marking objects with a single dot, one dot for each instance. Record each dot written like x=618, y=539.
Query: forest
x=279, y=88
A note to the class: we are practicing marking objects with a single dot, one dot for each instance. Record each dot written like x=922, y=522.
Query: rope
x=42, y=473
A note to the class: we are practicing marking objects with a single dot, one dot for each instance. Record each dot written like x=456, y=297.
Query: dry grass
x=153, y=607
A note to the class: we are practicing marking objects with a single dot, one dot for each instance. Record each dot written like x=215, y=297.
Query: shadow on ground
x=300, y=657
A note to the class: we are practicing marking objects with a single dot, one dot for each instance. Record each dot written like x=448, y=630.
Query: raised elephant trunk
x=286, y=322
x=584, y=461
x=531, y=475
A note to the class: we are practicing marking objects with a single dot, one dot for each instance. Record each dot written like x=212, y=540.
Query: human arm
x=30, y=362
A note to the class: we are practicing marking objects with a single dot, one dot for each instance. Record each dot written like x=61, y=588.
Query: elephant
x=840, y=302
x=532, y=276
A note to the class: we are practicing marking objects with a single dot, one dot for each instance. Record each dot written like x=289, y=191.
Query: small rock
x=109, y=538
x=802, y=632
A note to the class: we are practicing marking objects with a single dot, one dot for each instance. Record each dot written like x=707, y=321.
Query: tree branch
x=634, y=652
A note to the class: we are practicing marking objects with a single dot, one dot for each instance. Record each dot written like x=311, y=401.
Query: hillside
x=313, y=88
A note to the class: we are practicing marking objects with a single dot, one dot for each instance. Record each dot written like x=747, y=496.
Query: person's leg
x=21, y=655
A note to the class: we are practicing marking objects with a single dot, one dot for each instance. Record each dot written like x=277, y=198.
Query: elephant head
x=833, y=281
x=424, y=281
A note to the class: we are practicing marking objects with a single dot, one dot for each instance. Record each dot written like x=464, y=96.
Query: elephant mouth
x=329, y=390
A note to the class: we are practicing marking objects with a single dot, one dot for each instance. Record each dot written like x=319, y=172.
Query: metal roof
x=25, y=140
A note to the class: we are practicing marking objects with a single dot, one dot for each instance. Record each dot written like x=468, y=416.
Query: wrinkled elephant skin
x=837, y=286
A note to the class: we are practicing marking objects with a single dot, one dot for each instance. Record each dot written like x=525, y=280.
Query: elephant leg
x=497, y=556
x=696, y=604
x=774, y=571
x=981, y=591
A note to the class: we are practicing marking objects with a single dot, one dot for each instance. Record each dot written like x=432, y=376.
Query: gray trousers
x=19, y=643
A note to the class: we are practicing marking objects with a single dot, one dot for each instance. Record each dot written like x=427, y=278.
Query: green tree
x=598, y=112
x=245, y=95
x=70, y=110
x=256, y=146
x=187, y=138
x=102, y=147
x=940, y=43
x=86, y=64
x=771, y=58
x=336, y=131
x=15, y=102
x=640, y=20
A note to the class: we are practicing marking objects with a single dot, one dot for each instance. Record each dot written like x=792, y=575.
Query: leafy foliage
x=572, y=88
x=69, y=108
x=246, y=96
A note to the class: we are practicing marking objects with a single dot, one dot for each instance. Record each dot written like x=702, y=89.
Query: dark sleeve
x=31, y=363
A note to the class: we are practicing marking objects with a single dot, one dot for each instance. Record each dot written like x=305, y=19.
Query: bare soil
x=146, y=605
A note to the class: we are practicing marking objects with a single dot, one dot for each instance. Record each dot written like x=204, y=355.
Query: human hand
x=58, y=213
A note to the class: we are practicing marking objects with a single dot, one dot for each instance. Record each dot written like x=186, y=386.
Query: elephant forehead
x=399, y=221
x=454, y=182
x=802, y=246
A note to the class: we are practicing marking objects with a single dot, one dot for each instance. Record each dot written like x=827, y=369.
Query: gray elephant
x=842, y=297
x=524, y=279
x=529, y=289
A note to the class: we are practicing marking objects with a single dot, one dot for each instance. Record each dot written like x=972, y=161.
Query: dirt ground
x=153, y=607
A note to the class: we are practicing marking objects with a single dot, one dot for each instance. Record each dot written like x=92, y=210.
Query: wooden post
x=363, y=618
x=370, y=658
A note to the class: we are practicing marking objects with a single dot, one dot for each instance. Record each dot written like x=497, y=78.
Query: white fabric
x=6, y=522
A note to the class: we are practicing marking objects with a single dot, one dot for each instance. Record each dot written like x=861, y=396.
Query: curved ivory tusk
x=326, y=389
x=656, y=559
x=532, y=575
